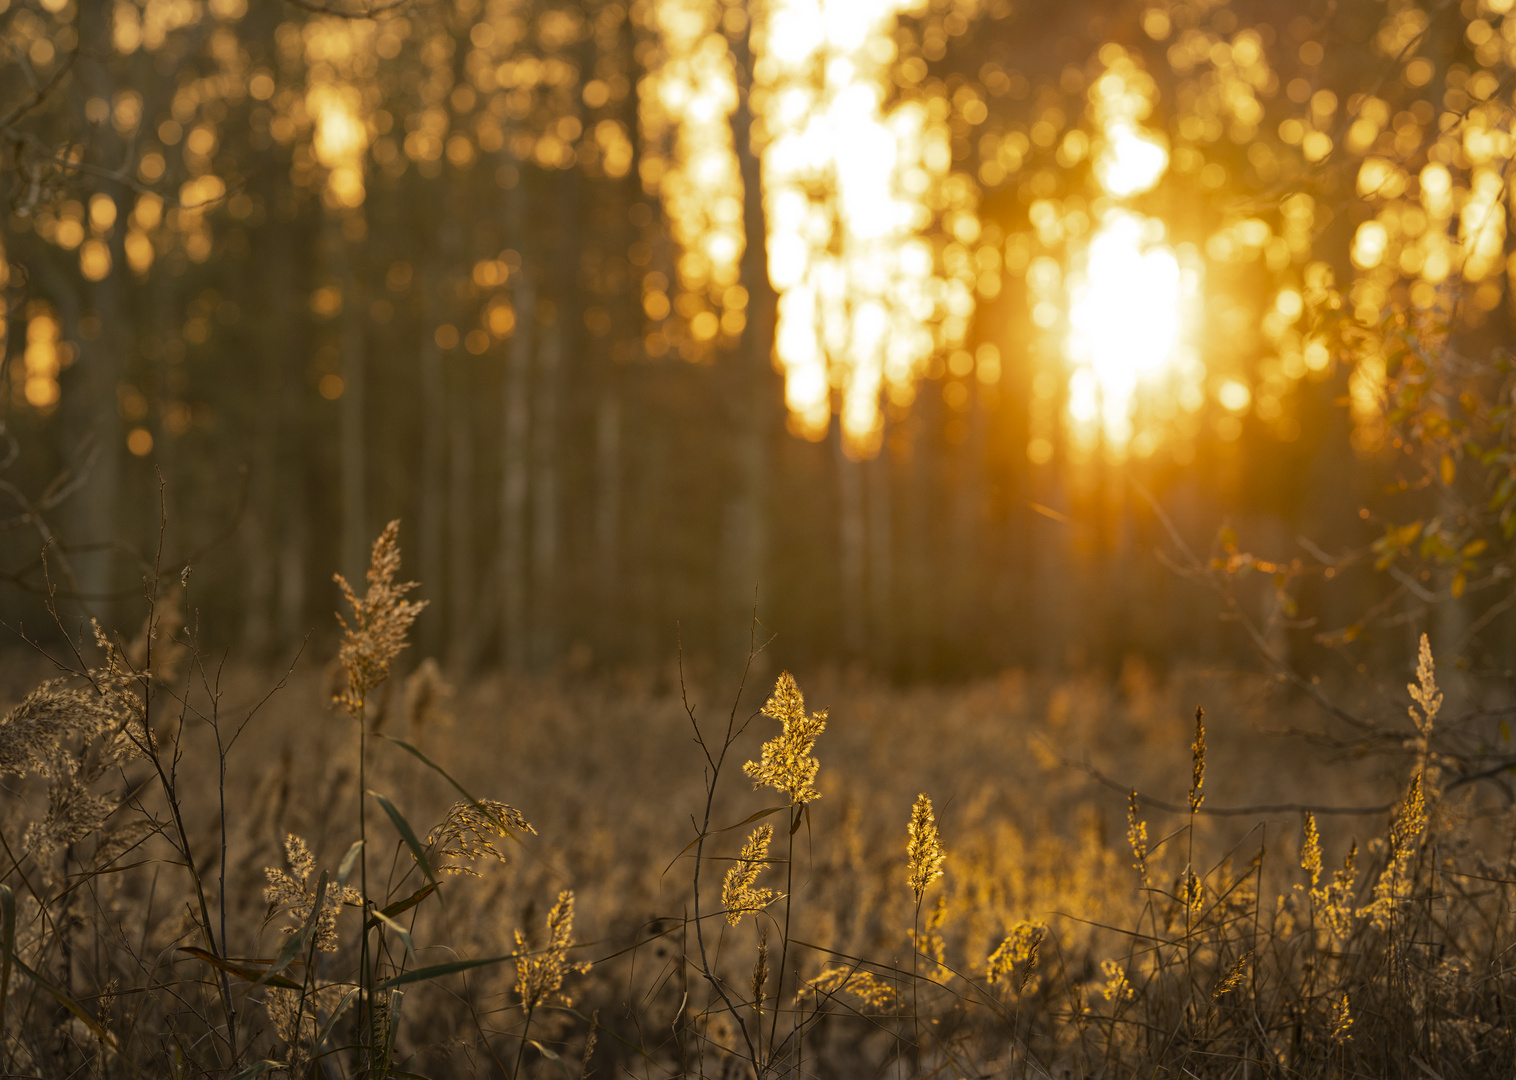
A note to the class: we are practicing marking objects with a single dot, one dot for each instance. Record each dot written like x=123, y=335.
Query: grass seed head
x=1233, y=977
x=923, y=847
x=381, y=619
x=469, y=832
x=1197, y=759
x=1137, y=837
x=1310, y=851
x=786, y=762
x=539, y=975
x=760, y=970
x=737, y=893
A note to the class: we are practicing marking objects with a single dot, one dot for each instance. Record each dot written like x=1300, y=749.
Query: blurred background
x=954, y=334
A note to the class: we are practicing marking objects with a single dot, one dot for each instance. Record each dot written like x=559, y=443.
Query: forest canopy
x=931, y=321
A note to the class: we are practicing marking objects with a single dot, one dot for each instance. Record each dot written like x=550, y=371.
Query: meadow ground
x=1041, y=951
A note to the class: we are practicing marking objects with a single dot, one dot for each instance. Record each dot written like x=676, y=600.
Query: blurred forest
x=628, y=310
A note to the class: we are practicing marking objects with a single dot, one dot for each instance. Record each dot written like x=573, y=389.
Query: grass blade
x=436, y=971
x=408, y=835
x=258, y=1068
x=331, y=1021
x=348, y=862
x=401, y=906
x=505, y=829
x=400, y=931
x=247, y=974
x=8, y=942
x=70, y=1004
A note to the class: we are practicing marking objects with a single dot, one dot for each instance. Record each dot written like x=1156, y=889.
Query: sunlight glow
x=685, y=105
x=861, y=304
x=1125, y=305
x=1127, y=292
x=334, y=49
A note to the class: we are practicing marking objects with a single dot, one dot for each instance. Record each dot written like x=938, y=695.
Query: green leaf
x=715, y=832
x=551, y=1055
x=349, y=860
x=503, y=826
x=331, y=1021
x=436, y=971
x=401, y=932
x=400, y=906
x=247, y=974
x=430, y=764
x=407, y=834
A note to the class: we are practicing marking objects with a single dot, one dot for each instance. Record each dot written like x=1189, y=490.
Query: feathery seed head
x=1233, y=977
x=737, y=893
x=292, y=890
x=1394, y=883
x=469, y=831
x=1192, y=892
x=760, y=970
x=923, y=846
x=1310, y=851
x=381, y=618
x=1019, y=949
x=1197, y=757
x=1342, y=1019
x=1137, y=836
x=540, y=975
x=864, y=986
x=1116, y=988
x=1424, y=690
x=786, y=763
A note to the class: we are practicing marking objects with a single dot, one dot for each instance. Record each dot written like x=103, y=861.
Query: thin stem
x=916, y=981
x=521, y=1051
x=365, y=978
x=784, y=945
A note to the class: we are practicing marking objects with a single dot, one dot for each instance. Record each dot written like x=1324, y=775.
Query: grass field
x=183, y=890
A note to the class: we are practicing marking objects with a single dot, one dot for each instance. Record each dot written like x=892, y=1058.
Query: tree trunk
x=607, y=503
x=354, y=451
x=516, y=431
x=851, y=532
x=744, y=532
x=881, y=569
x=462, y=578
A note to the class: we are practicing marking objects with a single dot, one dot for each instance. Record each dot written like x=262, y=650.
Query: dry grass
x=947, y=894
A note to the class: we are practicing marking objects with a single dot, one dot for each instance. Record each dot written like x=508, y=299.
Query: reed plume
x=1197, y=761
x=539, y=975
x=786, y=762
x=737, y=893
x=381, y=619
x=924, y=851
x=291, y=890
x=469, y=831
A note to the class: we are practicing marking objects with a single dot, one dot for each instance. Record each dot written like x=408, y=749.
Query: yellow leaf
x=1460, y=581
x=1228, y=540
x=1475, y=547
x=1447, y=469
x=1407, y=534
